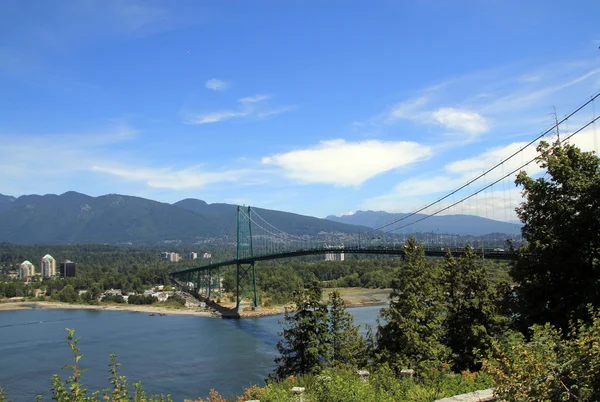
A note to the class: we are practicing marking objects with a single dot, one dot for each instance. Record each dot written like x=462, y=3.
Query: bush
x=142, y=299
x=549, y=367
x=113, y=299
x=176, y=300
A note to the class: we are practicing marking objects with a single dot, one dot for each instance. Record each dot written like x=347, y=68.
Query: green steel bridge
x=258, y=240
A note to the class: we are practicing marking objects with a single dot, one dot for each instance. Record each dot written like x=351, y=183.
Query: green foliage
x=344, y=385
x=347, y=345
x=549, y=368
x=113, y=299
x=558, y=272
x=304, y=347
x=142, y=299
x=99, y=268
x=67, y=295
x=471, y=320
x=176, y=300
x=71, y=389
x=411, y=332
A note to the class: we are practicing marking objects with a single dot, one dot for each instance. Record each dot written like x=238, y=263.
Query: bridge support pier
x=246, y=284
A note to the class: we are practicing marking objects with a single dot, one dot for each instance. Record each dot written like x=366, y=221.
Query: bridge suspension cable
x=499, y=164
x=591, y=122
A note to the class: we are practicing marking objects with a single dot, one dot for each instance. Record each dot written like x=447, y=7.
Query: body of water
x=184, y=356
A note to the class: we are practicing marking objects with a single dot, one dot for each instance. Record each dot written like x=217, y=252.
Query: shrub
x=549, y=367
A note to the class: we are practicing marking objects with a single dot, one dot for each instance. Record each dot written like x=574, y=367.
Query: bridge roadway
x=430, y=252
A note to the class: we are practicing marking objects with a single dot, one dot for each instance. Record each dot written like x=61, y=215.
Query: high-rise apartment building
x=67, y=269
x=173, y=257
x=26, y=269
x=48, y=266
x=191, y=256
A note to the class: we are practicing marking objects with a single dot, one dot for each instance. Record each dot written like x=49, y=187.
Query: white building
x=48, y=266
x=191, y=256
x=26, y=269
x=206, y=256
x=334, y=256
x=173, y=257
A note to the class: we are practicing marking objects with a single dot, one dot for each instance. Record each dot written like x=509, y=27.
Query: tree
x=471, y=319
x=67, y=294
x=305, y=345
x=411, y=332
x=348, y=346
x=558, y=271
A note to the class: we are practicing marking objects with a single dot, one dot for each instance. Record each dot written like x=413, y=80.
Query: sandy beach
x=127, y=307
x=354, y=297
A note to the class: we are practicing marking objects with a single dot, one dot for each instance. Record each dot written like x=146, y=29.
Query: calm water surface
x=180, y=355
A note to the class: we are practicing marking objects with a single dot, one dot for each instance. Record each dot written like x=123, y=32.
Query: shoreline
x=30, y=305
x=26, y=305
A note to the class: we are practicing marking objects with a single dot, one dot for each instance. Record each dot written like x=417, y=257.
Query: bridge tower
x=245, y=272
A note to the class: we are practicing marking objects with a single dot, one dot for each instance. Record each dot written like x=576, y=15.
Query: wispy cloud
x=461, y=120
x=347, y=163
x=256, y=106
x=254, y=99
x=216, y=84
x=504, y=101
x=25, y=167
x=169, y=178
x=215, y=117
x=457, y=120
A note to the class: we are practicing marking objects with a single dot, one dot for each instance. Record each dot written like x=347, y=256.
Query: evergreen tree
x=411, y=332
x=558, y=271
x=347, y=345
x=471, y=318
x=305, y=346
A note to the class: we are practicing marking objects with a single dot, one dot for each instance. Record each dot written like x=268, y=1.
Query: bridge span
x=206, y=279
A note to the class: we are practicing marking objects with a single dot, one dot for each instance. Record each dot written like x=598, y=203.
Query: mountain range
x=451, y=224
x=74, y=218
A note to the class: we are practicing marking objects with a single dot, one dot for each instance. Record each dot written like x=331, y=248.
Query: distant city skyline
x=314, y=107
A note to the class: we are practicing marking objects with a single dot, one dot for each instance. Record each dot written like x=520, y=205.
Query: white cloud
x=461, y=120
x=457, y=120
x=274, y=112
x=410, y=109
x=347, y=163
x=25, y=169
x=527, y=78
x=251, y=106
x=191, y=177
x=216, y=85
x=349, y=213
x=215, y=117
x=254, y=99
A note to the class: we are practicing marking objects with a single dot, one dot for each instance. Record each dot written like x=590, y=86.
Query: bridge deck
x=437, y=252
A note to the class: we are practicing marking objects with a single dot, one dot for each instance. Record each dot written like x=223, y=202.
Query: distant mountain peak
x=449, y=224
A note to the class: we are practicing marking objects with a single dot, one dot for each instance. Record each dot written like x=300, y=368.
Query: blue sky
x=314, y=107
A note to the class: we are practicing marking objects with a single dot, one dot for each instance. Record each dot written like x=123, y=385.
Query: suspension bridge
x=489, y=194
